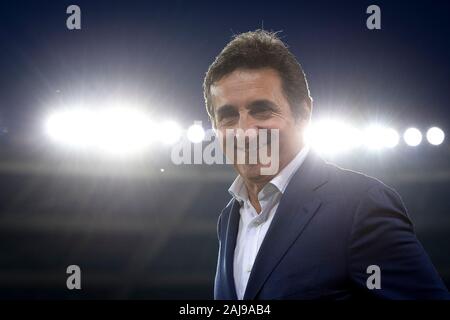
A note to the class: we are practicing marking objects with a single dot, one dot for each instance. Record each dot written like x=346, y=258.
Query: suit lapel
x=297, y=207
x=230, y=244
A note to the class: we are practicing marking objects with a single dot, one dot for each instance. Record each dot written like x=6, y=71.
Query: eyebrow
x=226, y=109
x=263, y=105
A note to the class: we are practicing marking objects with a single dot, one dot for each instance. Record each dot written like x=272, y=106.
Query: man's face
x=253, y=99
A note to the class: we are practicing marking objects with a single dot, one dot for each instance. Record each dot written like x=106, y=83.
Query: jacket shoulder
x=353, y=184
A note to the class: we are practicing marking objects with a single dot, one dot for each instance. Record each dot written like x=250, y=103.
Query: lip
x=246, y=149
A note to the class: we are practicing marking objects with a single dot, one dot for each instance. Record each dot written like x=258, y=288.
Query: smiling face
x=254, y=99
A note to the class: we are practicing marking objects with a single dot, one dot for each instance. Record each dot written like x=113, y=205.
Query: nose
x=247, y=127
x=247, y=122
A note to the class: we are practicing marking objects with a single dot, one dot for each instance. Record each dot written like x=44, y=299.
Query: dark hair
x=261, y=49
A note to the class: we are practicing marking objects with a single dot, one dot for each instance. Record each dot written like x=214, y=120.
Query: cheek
x=288, y=134
x=222, y=137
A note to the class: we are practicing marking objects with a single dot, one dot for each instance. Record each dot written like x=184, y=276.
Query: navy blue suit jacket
x=330, y=226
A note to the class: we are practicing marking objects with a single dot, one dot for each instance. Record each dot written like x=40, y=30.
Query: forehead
x=243, y=85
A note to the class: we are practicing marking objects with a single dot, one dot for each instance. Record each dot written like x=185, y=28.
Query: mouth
x=247, y=148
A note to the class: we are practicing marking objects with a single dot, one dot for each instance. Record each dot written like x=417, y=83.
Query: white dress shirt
x=253, y=226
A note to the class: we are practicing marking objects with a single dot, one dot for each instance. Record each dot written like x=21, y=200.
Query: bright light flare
x=391, y=138
x=332, y=137
x=119, y=131
x=377, y=137
x=74, y=128
x=169, y=132
x=435, y=136
x=412, y=137
x=195, y=133
x=123, y=131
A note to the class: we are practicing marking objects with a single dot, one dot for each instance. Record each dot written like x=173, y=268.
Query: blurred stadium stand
x=139, y=233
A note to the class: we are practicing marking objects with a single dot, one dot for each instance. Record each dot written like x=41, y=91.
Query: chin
x=251, y=172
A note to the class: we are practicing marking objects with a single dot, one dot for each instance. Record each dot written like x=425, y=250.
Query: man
x=311, y=230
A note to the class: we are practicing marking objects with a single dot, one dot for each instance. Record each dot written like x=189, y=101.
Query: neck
x=253, y=189
x=255, y=186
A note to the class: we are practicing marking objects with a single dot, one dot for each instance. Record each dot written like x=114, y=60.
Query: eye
x=263, y=109
x=262, y=112
x=228, y=121
x=227, y=116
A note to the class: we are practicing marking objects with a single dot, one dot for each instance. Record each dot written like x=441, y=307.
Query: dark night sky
x=159, y=51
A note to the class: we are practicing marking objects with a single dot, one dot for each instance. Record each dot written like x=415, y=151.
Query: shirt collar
x=280, y=181
x=238, y=190
x=283, y=178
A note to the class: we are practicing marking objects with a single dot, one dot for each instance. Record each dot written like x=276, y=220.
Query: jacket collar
x=297, y=207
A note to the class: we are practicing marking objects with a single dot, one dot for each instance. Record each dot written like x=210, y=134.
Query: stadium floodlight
x=332, y=137
x=196, y=133
x=435, y=136
x=120, y=131
x=123, y=131
x=412, y=137
x=74, y=127
x=169, y=132
x=377, y=137
x=391, y=138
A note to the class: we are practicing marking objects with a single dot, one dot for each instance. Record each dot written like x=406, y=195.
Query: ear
x=305, y=117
